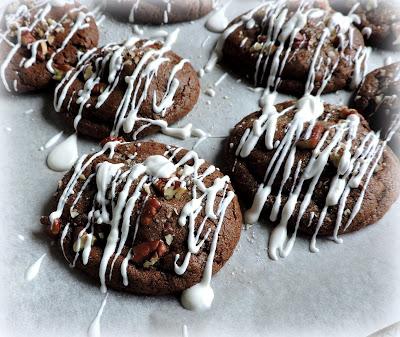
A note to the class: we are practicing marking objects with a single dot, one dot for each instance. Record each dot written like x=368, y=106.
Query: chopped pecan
x=27, y=38
x=312, y=142
x=168, y=239
x=159, y=186
x=88, y=72
x=262, y=38
x=60, y=70
x=299, y=39
x=344, y=112
x=256, y=47
x=42, y=51
x=147, y=249
x=98, y=88
x=55, y=228
x=51, y=39
x=151, y=208
x=337, y=155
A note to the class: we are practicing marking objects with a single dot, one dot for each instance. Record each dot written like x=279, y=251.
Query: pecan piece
x=55, y=228
x=151, y=208
x=146, y=249
x=27, y=38
x=312, y=142
x=345, y=112
x=159, y=186
x=60, y=70
x=299, y=39
x=42, y=51
x=98, y=88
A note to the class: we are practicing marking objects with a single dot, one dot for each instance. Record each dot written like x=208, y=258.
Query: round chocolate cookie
x=133, y=89
x=159, y=11
x=145, y=217
x=41, y=40
x=379, y=20
x=378, y=101
x=312, y=167
x=294, y=49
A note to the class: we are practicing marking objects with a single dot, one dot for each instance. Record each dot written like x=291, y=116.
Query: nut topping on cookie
x=128, y=225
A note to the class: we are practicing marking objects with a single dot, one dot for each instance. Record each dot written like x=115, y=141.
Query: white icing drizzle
x=34, y=269
x=210, y=92
x=110, y=175
x=221, y=79
x=360, y=66
x=185, y=331
x=200, y=296
x=53, y=140
x=63, y=156
x=367, y=31
x=135, y=6
x=94, y=328
x=217, y=22
x=203, y=44
x=13, y=24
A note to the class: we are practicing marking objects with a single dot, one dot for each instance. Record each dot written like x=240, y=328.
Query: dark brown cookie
x=140, y=199
x=159, y=11
x=279, y=46
x=377, y=99
x=335, y=176
x=132, y=90
x=40, y=42
x=379, y=20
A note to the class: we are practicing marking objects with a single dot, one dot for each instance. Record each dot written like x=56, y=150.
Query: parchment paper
x=350, y=289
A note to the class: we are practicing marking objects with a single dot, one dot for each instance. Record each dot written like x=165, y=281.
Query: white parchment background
x=346, y=290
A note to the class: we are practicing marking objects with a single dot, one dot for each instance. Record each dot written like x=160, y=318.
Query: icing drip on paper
x=53, y=140
x=94, y=328
x=217, y=22
x=185, y=331
x=109, y=176
x=63, y=156
x=34, y=269
x=200, y=296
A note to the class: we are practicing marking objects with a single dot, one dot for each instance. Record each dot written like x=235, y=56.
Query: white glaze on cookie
x=14, y=27
x=213, y=200
x=128, y=110
x=308, y=110
x=278, y=26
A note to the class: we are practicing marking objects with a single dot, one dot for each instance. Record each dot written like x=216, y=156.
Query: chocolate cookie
x=290, y=48
x=133, y=89
x=159, y=11
x=378, y=20
x=42, y=40
x=378, y=101
x=311, y=167
x=143, y=217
